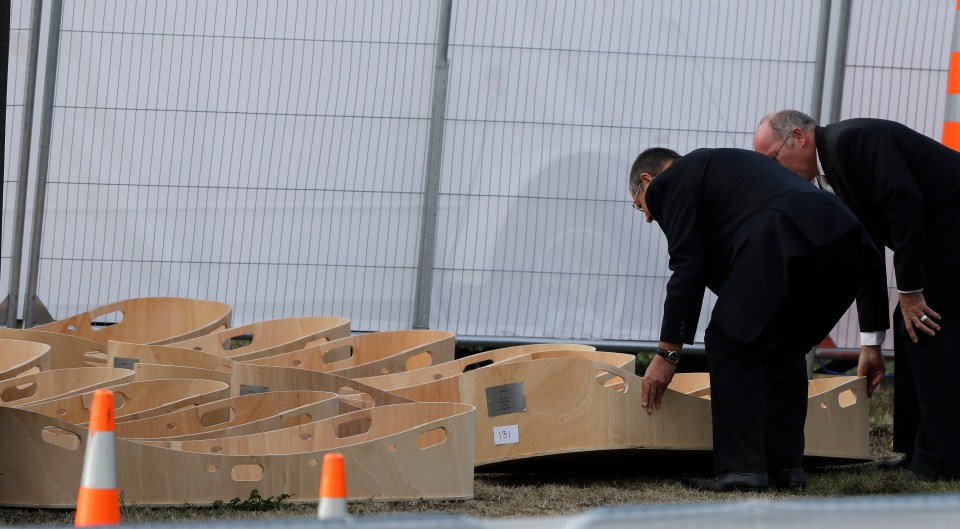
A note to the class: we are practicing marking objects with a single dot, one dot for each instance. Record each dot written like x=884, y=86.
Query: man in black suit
x=785, y=261
x=905, y=189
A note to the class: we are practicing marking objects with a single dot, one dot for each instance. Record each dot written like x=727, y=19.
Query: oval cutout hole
x=60, y=437
x=438, y=376
x=246, y=472
x=384, y=371
x=217, y=416
x=432, y=438
x=15, y=393
x=612, y=381
x=477, y=365
x=212, y=468
x=312, y=461
x=355, y=427
x=419, y=360
x=171, y=426
x=237, y=342
x=303, y=418
x=296, y=362
x=71, y=328
x=338, y=354
x=119, y=400
x=847, y=398
x=823, y=405
x=391, y=448
x=217, y=449
x=106, y=320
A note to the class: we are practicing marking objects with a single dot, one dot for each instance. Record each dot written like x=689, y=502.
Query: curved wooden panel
x=60, y=383
x=65, y=351
x=375, y=353
x=259, y=412
x=431, y=374
x=145, y=320
x=428, y=458
x=136, y=400
x=269, y=338
x=17, y=357
x=247, y=378
x=122, y=354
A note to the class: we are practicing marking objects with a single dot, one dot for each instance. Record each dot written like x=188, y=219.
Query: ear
x=800, y=135
x=646, y=177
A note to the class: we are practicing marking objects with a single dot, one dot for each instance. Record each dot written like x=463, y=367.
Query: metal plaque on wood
x=126, y=363
x=246, y=389
x=506, y=399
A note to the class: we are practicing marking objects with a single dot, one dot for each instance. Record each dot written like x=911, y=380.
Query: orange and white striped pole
x=951, y=121
x=99, y=499
x=333, y=489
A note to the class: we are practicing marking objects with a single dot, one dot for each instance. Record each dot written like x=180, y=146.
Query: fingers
x=650, y=395
x=910, y=332
x=873, y=381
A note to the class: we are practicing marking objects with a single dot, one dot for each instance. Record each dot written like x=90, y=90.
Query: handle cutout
x=847, y=398
x=432, y=438
x=303, y=418
x=338, y=354
x=218, y=416
x=237, y=342
x=246, y=472
x=353, y=428
x=108, y=319
x=15, y=393
x=419, y=360
x=60, y=437
x=477, y=365
x=611, y=381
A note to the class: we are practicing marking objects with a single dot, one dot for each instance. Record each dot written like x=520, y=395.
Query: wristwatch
x=670, y=356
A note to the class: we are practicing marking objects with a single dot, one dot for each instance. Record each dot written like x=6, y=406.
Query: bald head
x=787, y=136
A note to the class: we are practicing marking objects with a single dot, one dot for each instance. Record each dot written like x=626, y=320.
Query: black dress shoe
x=745, y=481
x=897, y=463
x=788, y=478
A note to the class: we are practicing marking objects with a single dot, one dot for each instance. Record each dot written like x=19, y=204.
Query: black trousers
x=936, y=363
x=906, y=407
x=759, y=389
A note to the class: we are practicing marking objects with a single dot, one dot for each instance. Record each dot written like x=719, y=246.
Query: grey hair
x=784, y=121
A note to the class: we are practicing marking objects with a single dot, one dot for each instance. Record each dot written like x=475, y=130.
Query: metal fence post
x=31, y=302
x=840, y=67
x=431, y=187
x=23, y=167
x=819, y=74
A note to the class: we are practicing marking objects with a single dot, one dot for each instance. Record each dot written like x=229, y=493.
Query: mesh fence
x=272, y=155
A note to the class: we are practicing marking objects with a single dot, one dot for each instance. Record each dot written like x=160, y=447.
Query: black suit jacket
x=905, y=189
x=733, y=220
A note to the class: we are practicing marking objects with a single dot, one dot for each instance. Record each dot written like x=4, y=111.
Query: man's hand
x=917, y=315
x=655, y=381
x=871, y=366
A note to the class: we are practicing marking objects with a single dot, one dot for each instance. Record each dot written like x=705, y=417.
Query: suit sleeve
x=872, y=304
x=885, y=177
x=675, y=203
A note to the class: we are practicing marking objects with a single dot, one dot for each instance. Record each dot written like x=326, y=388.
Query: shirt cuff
x=910, y=291
x=872, y=338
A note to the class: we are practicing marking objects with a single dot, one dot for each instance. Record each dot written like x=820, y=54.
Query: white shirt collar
x=819, y=165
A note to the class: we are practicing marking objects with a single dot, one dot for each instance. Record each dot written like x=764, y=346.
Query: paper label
x=506, y=435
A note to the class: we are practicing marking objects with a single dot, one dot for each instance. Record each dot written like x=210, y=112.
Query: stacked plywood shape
x=209, y=412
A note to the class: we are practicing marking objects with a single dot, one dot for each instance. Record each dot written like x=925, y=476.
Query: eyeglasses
x=636, y=206
x=785, y=140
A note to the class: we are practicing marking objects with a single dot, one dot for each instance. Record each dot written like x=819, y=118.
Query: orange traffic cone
x=333, y=489
x=99, y=499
